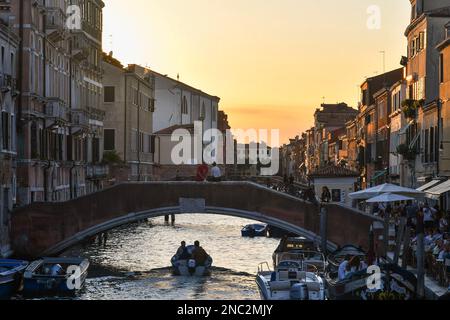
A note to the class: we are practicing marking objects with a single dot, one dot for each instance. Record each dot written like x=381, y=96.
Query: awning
x=436, y=192
x=379, y=174
x=429, y=185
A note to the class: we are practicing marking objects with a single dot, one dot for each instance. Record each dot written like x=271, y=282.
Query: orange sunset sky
x=272, y=62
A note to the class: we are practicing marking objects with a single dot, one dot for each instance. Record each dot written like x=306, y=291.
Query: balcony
x=96, y=114
x=7, y=83
x=80, y=47
x=94, y=172
x=80, y=119
x=55, y=109
x=343, y=154
x=55, y=24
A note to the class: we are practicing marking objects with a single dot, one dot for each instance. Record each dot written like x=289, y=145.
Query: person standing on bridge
x=216, y=173
x=202, y=173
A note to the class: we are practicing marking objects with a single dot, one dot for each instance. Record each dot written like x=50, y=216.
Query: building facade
x=180, y=104
x=8, y=153
x=399, y=168
x=372, y=123
x=444, y=89
x=328, y=118
x=60, y=126
x=425, y=31
x=129, y=105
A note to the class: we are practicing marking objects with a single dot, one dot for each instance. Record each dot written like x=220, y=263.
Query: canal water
x=134, y=264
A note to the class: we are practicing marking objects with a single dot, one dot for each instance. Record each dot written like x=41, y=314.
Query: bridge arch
x=155, y=213
x=50, y=228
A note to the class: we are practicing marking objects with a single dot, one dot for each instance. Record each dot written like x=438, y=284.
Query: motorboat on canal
x=189, y=267
x=11, y=272
x=396, y=283
x=55, y=276
x=307, y=251
x=293, y=279
x=254, y=230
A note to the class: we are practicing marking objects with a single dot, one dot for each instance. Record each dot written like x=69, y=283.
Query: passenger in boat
x=343, y=267
x=354, y=265
x=182, y=252
x=199, y=255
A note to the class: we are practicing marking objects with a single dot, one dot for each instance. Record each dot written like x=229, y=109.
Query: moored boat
x=254, y=230
x=55, y=276
x=300, y=245
x=11, y=272
x=395, y=283
x=188, y=267
x=292, y=279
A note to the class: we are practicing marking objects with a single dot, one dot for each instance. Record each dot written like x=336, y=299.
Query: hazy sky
x=270, y=61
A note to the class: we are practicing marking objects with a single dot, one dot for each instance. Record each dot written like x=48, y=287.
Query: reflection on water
x=135, y=262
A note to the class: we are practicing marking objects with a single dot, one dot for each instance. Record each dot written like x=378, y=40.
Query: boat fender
x=192, y=263
x=51, y=284
x=192, y=266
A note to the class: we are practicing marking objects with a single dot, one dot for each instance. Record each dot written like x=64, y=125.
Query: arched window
x=184, y=107
x=203, y=112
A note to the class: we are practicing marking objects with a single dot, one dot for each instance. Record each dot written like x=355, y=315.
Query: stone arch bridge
x=45, y=229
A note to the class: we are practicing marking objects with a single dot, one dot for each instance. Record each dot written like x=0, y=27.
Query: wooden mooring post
x=324, y=228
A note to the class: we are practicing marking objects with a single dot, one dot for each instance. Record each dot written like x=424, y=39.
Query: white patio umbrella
x=386, y=188
x=389, y=197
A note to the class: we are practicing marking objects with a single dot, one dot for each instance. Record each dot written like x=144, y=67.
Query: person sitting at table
x=445, y=254
x=342, y=272
x=438, y=248
x=443, y=224
x=429, y=238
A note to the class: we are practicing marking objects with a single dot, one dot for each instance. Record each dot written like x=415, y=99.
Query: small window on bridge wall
x=336, y=195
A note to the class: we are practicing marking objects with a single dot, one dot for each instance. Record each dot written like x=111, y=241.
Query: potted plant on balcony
x=406, y=152
x=410, y=107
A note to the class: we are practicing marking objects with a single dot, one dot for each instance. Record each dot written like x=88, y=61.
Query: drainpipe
x=20, y=71
x=46, y=168
x=139, y=129
x=438, y=141
x=71, y=182
x=125, y=121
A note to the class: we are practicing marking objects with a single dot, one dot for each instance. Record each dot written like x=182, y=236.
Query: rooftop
x=170, y=130
x=333, y=171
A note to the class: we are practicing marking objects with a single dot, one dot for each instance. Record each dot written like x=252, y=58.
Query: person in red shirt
x=202, y=173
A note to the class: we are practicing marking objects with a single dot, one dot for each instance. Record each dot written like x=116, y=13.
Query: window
x=422, y=41
x=441, y=69
x=336, y=195
x=184, y=107
x=110, y=139
x=2, y=61
x=413, y=12
x=110, y=94
x=6, y=131
x=432, y=144
x=412, y=48
x=214, y=113
x=135, y=96
x=151, y=105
